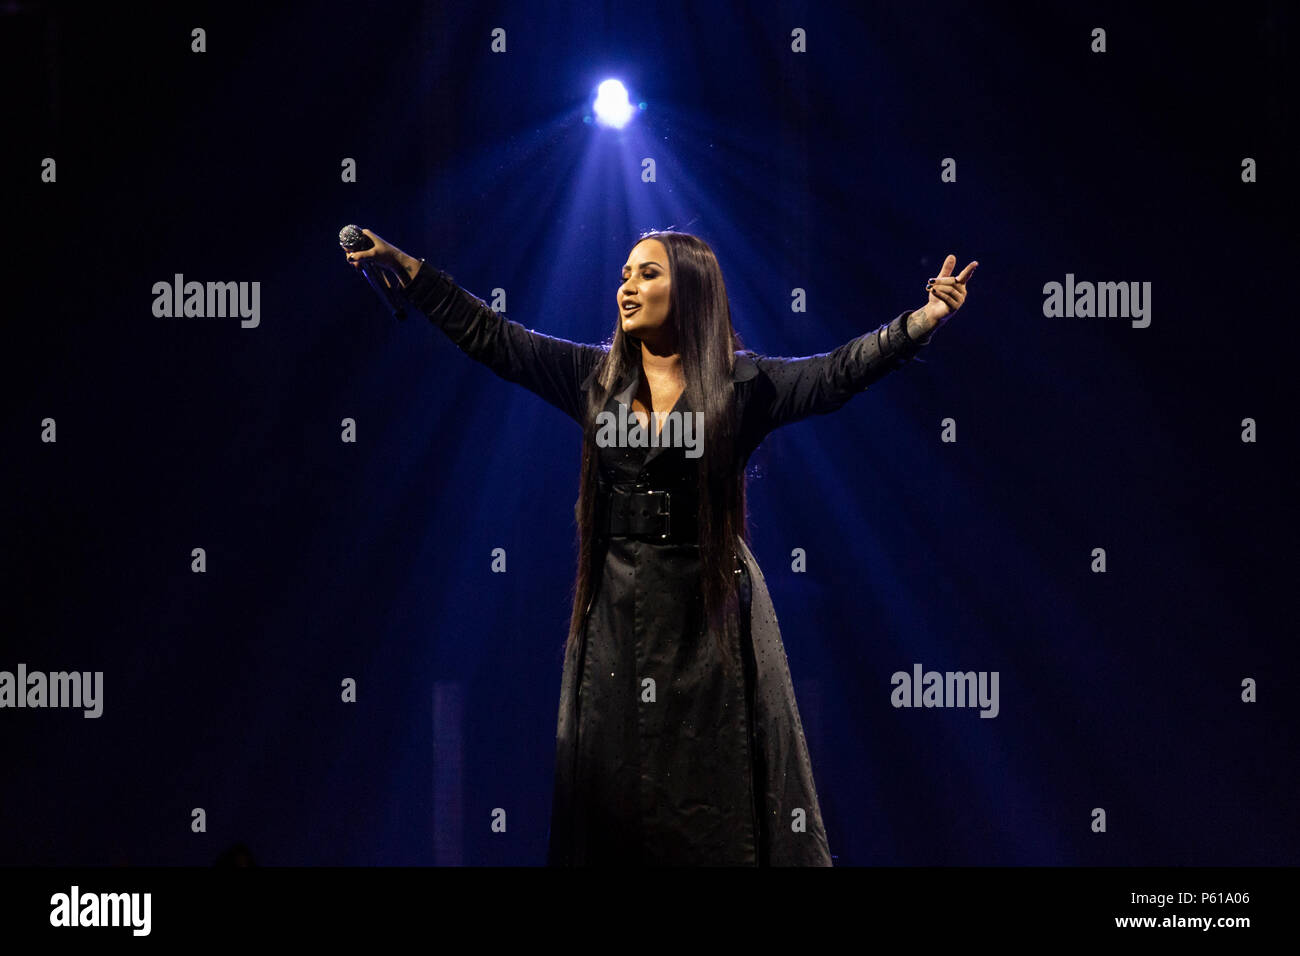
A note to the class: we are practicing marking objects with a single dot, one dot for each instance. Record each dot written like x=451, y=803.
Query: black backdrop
x=371, y=560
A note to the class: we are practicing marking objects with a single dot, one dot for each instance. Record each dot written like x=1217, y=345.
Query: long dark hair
x=707, y=342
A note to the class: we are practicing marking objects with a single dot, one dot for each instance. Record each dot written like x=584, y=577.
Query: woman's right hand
x=385, y=256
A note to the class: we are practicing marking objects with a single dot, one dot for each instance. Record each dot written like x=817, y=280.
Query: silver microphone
x=353, y=239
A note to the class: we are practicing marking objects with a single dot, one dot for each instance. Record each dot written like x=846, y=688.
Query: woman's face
x=643, y=296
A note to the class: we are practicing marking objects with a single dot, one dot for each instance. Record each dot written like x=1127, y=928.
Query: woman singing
x=678, y=740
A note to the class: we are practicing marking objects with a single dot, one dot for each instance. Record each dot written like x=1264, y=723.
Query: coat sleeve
x=790, y=389
x=552, y=368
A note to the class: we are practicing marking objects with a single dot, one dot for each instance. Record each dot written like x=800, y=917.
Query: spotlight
x=612, y=107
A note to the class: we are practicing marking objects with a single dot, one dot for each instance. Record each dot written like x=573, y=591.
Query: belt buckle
x=665, y=512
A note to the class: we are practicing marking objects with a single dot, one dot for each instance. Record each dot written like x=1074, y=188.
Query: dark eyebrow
x=648, y=262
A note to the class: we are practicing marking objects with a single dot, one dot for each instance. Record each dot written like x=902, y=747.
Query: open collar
x=743, y=370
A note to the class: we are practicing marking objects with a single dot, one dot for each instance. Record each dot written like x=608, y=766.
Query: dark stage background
x=820, y=171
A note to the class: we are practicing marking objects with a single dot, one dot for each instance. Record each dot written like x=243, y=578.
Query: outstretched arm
x=553, y=368
x=791, y=389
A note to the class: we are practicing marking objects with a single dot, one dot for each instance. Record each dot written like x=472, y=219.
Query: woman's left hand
x=947, y=293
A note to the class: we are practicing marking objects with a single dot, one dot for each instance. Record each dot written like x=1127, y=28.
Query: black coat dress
x=666, y=753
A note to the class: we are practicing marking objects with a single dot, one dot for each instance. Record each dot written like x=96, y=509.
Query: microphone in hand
x=356, y=242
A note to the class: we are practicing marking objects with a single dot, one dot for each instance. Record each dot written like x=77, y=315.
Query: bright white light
x=612, y=107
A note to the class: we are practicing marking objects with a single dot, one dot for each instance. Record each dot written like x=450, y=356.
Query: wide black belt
x=655, y=514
